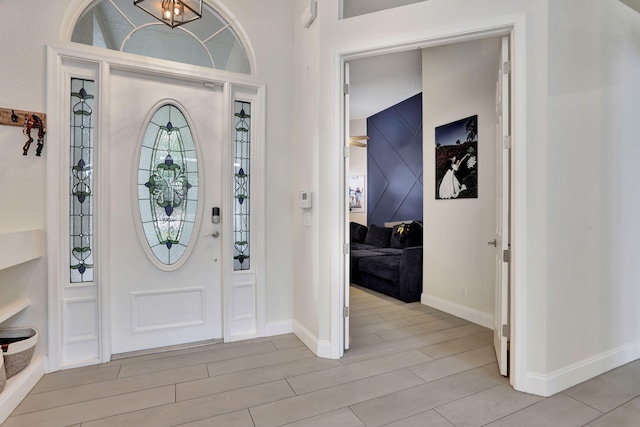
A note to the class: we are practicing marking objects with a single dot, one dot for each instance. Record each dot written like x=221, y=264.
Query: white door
x=502, y=241
x=347, y=262
x=152, y=304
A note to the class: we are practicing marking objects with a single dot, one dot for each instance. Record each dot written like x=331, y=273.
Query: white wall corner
x=320, y=348
x=467, y=313
x=562, y=379
x=279, y=328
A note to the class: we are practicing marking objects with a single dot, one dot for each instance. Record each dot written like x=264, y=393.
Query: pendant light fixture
x=172, y=12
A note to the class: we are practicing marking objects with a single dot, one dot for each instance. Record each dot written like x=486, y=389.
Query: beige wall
x=306, y=260
x=406, y=25
x=574, y=129
x=578, y=248
x=593, y=198
x=456, y=232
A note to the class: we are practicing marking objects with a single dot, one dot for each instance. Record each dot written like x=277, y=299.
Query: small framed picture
x=356, y=193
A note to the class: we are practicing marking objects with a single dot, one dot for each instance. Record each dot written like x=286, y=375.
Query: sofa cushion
x=387, y=251
x=358, y=232
x=362, y=246
x=386, y=267
x=406, y=235
x=364, y=253
x=355, y=258
x=378, y=236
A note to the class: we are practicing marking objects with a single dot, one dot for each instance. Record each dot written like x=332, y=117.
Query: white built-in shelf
x=9, y=310
x=20, y=385
x=17, y=247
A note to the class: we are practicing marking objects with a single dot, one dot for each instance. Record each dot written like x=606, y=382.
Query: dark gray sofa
x=388, y=260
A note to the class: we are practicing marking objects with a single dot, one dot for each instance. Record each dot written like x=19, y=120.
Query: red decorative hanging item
x=31, y=122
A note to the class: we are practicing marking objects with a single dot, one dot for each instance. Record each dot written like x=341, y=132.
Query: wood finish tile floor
x=409, y=365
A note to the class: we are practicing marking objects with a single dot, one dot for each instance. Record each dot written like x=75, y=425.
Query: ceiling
x=378, y=82
x=119, y=25
x=633, y=4
x=352, y=8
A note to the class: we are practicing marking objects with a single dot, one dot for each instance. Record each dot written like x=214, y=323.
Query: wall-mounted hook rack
x=13, y=117
x=28, y=120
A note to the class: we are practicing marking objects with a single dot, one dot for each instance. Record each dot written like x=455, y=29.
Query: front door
x=164, y=253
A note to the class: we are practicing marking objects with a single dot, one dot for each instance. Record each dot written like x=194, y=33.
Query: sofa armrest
x=411, y=272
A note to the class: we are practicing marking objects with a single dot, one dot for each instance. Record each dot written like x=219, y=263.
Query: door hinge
x=506, y=255
x=505, y=331
x=506, y=142
x=345, y=311
x=345, y=89
x=345, y=249
x=346, y=152
x=506, y=67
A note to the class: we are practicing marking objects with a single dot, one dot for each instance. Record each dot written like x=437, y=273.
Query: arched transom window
x=119, y=25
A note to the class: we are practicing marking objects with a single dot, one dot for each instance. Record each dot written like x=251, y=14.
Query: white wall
x=272, y=42
x=358, y=164
x=22, y=177
x=593, y=193
x=460, y=81
x=576, y=247
x=23, y=86
x=358, y=7
x=580, y=271
x=408, y=25
x=305, y=176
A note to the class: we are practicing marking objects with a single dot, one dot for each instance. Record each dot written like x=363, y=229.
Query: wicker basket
x=18, y=346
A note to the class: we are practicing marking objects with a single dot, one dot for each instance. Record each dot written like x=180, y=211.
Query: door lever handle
x=214, y=234
x=494, y=243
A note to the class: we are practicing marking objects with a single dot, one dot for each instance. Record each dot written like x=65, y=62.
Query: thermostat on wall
x=304, y=201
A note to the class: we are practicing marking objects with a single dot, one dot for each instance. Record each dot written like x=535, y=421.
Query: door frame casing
x=346, y=301
x=241, y=279
x=515, y=27
x=97, y=64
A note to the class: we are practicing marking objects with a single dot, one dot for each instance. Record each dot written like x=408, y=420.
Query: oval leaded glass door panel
x=164, y=275
x=168, y=187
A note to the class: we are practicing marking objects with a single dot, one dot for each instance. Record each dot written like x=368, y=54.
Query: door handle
x=215, y=234
x=493, y=243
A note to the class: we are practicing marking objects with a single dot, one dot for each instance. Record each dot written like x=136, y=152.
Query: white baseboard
x=562, y=379
x=467, y=313
x=279, y=328
x=78, y=364
x=320, y=348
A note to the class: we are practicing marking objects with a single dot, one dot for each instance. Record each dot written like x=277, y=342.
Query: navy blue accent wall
x=394, y=163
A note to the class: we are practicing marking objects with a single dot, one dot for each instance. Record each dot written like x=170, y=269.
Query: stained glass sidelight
x=81, y=181
x=242, y=160
x=167, y=184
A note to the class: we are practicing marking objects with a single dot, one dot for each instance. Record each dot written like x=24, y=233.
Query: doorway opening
x=489, y=161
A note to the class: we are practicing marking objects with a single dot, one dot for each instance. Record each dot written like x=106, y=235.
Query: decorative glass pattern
x=167, y=184
x=241, y=191
x=120, y=25
x=81, y=181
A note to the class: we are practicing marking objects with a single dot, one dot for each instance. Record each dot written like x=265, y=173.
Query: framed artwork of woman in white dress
x=457, y=159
